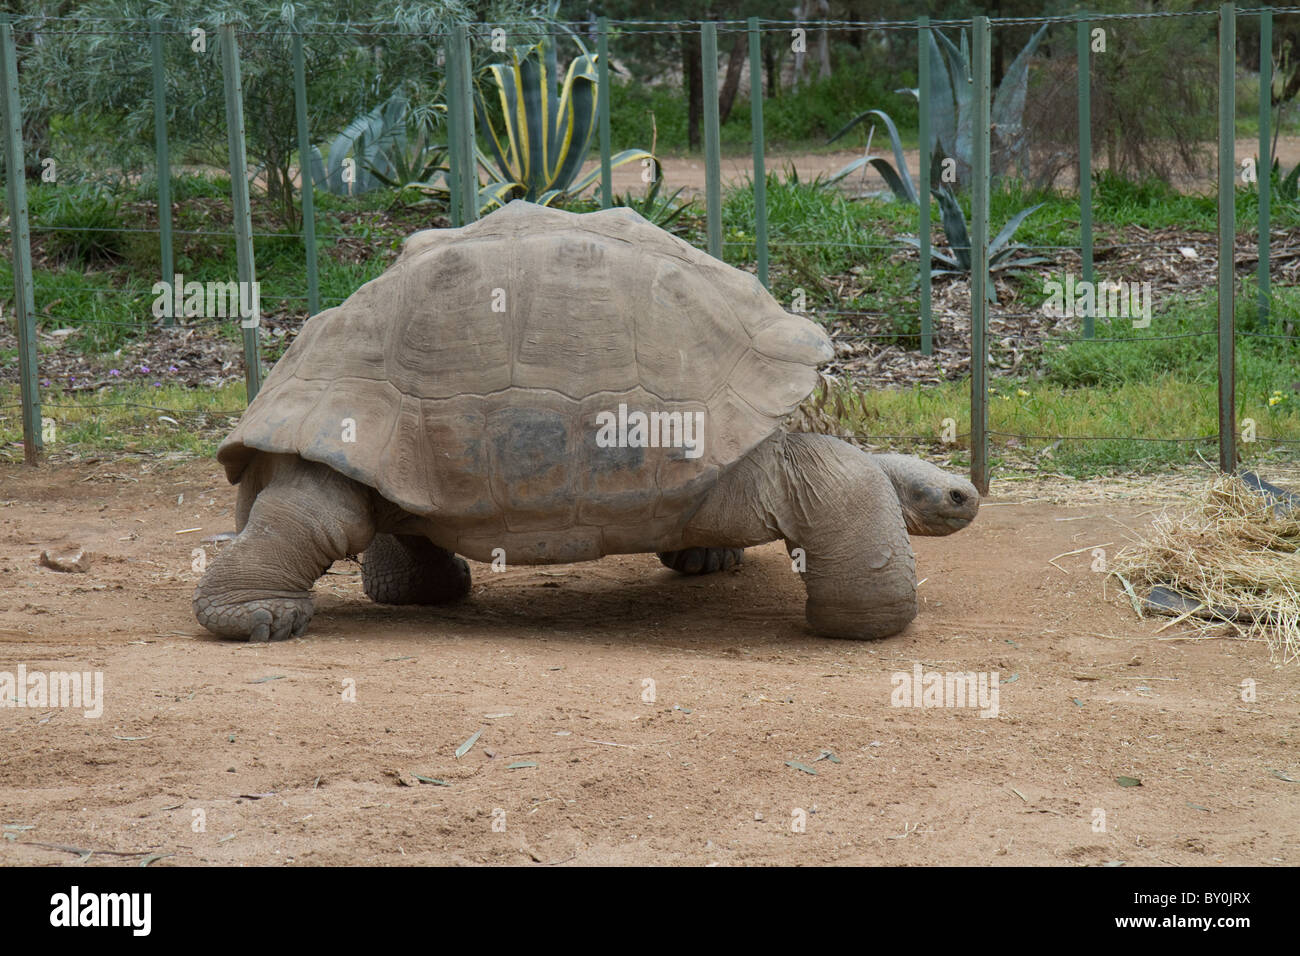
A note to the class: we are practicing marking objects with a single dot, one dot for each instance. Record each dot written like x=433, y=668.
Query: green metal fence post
x=162, y=162
x=979, y=257
x=1227, y=231
x=305, y=177
x=756, y=128
x=712, y=154
x=239, y=199
x=455, y=123
x=1262, y=174
x=602, y=108
x=20, y=233
x=923, y=189
x=1084, y=31
x=465, y=88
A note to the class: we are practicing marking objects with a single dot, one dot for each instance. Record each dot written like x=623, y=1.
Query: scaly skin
x=833, y=504
x=302, y=518
x=702, y=560
x=410, y=569
x=934, y=503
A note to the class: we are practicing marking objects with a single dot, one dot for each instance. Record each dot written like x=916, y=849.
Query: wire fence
x=982, y=132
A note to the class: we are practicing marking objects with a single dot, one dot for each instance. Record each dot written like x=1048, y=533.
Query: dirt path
x=689, y=171
x=228, y=753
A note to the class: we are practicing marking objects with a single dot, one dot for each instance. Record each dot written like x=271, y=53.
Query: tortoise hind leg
x=702, y=560
x=410, y=569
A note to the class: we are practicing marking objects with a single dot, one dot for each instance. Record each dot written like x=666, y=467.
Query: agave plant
x=412, y=164
x=663, y=211
x=952, y=108
x=1286, y=187
x=1002, y=251
x=384, y=152
x=898, y=180
x=951, y=116
x=547, y=128
x=365, y=141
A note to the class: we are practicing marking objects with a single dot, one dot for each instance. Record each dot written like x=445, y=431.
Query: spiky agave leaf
x=1009, y=101
x=547, y=132
x=899, y=180
x=1001, y=249
x=367, y=140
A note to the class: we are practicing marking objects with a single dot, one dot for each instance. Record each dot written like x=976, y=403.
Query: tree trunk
x=773, y=77
x=727, y=98
x=692, y=76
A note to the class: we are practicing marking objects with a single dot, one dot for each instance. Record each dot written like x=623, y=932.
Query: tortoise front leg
x=411, y=569
x=303, y=517
x=842, y=522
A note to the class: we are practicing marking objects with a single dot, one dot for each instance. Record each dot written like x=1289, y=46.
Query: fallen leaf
x=464, y=748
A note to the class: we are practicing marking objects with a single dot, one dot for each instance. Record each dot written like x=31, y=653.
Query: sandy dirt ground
x=210, y=752
x=689, y=171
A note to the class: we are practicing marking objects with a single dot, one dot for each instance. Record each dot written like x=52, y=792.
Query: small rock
x=76, y=561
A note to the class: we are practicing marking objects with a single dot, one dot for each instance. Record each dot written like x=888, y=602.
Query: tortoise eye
x=957, y=497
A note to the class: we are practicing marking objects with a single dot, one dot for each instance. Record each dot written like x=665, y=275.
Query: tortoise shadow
x=631, y=597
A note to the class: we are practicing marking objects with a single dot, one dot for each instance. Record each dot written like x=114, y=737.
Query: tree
x=359, y=52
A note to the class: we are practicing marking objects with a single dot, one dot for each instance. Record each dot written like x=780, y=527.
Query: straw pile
x=1236, y=555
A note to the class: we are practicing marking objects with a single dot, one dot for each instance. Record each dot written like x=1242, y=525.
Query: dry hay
x=1236, y=555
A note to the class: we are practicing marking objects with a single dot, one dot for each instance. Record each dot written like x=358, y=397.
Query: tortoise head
x=933, y=501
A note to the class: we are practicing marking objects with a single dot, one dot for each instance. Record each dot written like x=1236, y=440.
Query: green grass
x=132, y=419
x=1163, y=407
x=1147, y=387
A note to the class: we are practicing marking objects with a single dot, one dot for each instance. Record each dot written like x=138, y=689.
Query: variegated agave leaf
x=547, y=131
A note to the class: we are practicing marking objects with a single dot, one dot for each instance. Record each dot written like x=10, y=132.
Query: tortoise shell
x=477, y=378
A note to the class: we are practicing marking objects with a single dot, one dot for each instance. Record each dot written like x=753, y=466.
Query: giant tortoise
x=542, y=386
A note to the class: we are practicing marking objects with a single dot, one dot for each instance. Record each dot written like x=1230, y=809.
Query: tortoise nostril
x=957, y=497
